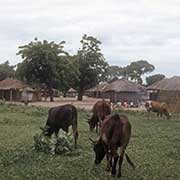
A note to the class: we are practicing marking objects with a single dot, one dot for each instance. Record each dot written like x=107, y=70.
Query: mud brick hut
x=71, y=93
x=125, y=91
x=97, y=91
x=167, y=90
x=15, y=90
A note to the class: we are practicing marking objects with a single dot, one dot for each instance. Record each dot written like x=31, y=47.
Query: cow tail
x=129, y=161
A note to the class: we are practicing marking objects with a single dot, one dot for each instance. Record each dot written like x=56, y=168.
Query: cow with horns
x=115, y=132
x=61, y=117
x=100, y=110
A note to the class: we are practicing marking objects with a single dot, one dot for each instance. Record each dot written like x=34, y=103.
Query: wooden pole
x=10, y=94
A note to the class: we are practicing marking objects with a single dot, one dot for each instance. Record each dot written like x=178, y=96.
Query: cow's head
x=148, y=106
x=169, y=115
x=99, y=150
x=92, y=122
x=47, y=131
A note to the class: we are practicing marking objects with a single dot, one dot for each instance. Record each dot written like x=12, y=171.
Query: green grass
x=154, y=148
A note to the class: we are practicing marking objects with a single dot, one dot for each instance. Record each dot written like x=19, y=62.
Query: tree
x=40, y=61
x=154, y=78
x=6, y=70
x=135, y=70
x=91, y=64
x=114, y=71
x=68, y=73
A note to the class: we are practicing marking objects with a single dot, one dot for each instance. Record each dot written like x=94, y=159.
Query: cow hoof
x=119, y=176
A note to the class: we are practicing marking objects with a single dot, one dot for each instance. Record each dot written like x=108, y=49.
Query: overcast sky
x=129, y=30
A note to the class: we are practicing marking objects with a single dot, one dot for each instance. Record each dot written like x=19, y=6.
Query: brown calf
x=115, y=132
x=100, y=110
x=158, y=107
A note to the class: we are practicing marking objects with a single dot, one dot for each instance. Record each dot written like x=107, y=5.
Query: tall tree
x=136, y=69
x=91, y=63
x=6, y=70
x=114, y=71
x=154, y=78
x=40, y=59
x=68, y=73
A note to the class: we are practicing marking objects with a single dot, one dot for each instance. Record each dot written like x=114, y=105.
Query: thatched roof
x=166, y=84
x=123, y=85
x=100, y=87
x=9, y=83
x=71, y=90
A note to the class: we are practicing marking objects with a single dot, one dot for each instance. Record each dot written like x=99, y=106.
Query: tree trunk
x=80, y=95
x=50, y=89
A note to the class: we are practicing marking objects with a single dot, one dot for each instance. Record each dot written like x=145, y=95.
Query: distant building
x=167, y=90
x=71, y=93
x=16, y=90
x=122, y=90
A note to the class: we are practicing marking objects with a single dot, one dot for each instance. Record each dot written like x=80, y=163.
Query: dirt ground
x=86, y=104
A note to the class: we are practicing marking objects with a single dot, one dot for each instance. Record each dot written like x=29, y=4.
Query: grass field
x=154, y=148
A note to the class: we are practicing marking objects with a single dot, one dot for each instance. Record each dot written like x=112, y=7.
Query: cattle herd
x=114, y=130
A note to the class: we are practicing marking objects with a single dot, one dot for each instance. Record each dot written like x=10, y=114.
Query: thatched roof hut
x=97, y=91
x=124, y=90
x=71, y=93
x=166, y=84
x=167, y=90
x=16, y=90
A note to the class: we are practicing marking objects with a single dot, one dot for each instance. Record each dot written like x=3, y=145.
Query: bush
x=63, y=144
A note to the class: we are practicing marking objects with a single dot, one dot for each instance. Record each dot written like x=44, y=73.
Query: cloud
x=132, y=30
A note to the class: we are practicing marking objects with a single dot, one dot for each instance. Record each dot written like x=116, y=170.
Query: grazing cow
x=115, y=132
x=159, y=107
x=61, y=117
x=100, y=110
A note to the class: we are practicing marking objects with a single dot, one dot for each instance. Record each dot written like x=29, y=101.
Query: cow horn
x=93, y=141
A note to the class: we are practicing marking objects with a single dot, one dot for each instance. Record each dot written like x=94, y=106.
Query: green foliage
x=154, y=78
x=6, y=70
x=91, y=63
x=63, y=144
x=68, y=73
x=40, y=62
x=134, y=71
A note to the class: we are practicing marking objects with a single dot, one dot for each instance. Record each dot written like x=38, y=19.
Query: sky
x=129, y=30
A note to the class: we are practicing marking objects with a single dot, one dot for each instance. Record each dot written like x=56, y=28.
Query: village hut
x=71, y=93
x=97, y=91
x=16, y=90
x=167, y=90
x=122, y=90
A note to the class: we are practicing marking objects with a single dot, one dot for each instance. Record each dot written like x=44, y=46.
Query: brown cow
x=159, y=107
x=61, y=117
x=100, y=110
x=115, y=132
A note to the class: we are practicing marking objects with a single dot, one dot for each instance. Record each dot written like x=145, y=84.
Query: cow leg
x=122, y=151
x=114, y=157
x=75, y=134
x=157, y=114
x=109, y=160
x=97, y=127
x=56, y=131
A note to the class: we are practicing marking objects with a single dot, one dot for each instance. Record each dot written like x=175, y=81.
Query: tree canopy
x=133, y=71
x=154, y=78
x=40, y=59
x=6, y=70
x=91, y=64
